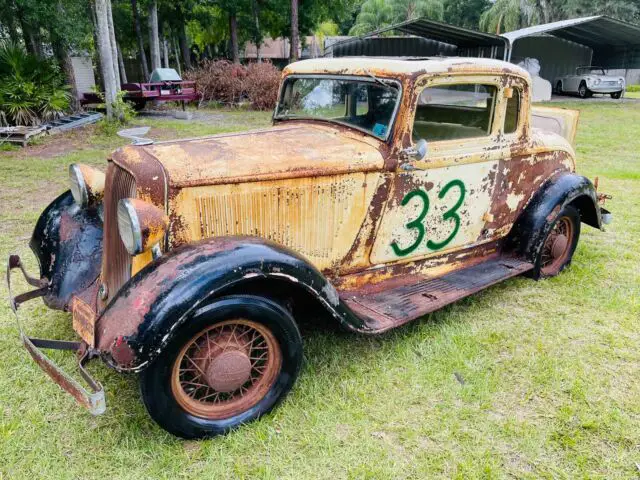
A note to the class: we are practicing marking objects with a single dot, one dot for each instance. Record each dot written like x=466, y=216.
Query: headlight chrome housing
x=141, y=225
x=86, y=184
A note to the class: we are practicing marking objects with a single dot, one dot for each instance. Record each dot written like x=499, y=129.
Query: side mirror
x=419, y=151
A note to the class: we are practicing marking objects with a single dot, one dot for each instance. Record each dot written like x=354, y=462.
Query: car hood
x=289, y=150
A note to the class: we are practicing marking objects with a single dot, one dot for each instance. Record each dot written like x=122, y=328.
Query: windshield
x=591, y=70
x=367, y=105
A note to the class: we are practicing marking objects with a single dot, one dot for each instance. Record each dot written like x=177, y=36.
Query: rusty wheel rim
x=557, y=246
x=226, y=369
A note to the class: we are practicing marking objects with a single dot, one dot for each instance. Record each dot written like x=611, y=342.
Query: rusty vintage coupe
x=385, y=189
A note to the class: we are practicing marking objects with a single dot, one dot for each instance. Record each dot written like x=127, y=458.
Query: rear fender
x=140, y=321
x=67, y=242
x=528, y=233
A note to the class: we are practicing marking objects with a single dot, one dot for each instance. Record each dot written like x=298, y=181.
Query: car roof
x=398, y=67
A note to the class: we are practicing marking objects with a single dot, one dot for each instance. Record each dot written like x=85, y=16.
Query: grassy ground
x=528, y=379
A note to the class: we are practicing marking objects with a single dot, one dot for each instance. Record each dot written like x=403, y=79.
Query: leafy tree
x=378, y=14
x=465, y=13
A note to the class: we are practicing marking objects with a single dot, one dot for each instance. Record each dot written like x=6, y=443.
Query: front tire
x=560, y=241
x=231, y=362
x=583, y=91
x=616, y=95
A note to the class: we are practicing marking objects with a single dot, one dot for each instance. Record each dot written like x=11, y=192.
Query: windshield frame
x=358, y=78
x=590, y=71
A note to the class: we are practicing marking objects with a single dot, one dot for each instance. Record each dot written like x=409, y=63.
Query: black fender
x=528, y=233
x=142, y=318
x=67, y=241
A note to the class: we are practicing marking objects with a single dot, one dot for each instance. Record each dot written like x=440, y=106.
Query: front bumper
x=606, y=88
x=94, y=399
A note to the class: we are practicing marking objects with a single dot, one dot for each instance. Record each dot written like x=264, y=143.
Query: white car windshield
x=591, y=71
x=368, y=105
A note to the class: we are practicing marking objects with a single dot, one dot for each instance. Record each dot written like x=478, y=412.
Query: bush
x=31, y=89
x=261, y=85
x=226, y=82
x=633, y=88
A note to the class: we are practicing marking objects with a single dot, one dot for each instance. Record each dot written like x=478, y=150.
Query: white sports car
x=590, y=80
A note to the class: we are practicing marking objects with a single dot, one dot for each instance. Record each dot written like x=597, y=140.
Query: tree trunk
x=61, y=52
x=233, y=34
x=154, y=39
x=123, y=72
x=165, y=54
x=184, y=47
x=177, y=55
x=114, y=47
x=141, y=52
x=257, y=37
x=106, y=56
x=94, y=22
x=295, y=37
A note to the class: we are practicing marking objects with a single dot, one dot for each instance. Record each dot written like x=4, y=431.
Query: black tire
x=616, y=95
x=559, y=88
x=561, y=255
x=583, y=91
x=155, y=381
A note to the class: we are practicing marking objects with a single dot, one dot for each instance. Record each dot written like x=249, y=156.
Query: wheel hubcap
x=557, y=246
x=226, y=369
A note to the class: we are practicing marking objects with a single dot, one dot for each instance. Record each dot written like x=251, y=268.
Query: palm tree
x=374, y=15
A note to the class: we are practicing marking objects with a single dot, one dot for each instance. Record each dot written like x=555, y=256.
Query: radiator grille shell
x=116, y=261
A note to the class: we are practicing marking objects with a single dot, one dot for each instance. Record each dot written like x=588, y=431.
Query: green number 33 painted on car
x=418, y=223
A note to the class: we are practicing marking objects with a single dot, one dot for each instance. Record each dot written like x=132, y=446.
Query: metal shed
x=451, y=40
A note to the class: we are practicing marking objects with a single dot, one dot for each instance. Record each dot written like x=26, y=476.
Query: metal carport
x=562, y=46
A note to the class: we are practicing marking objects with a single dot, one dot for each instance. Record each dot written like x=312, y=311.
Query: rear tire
x=559, y=88
x=231, y=362
x=560, y=240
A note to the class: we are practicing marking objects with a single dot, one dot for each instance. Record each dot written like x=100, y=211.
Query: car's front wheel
x=616, y=95
x=583, y=91
x=230, y=363
x=560, y=241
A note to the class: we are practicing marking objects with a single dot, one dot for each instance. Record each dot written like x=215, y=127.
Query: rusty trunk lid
x=289, y=150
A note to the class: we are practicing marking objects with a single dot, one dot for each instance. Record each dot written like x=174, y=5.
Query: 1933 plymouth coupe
x=385, y=189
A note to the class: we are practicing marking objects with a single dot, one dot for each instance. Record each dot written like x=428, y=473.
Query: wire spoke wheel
x=557, y=246
x=226, y=369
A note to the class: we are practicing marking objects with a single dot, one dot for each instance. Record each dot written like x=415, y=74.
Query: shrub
x=31, y=89
x=226, y=82
x=633, y=88
x=218, y=80
x=261, y=85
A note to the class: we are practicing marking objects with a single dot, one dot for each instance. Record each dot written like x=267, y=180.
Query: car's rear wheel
x=559, y=88
x=583, y=91
x=616, y=95
x=233, y=361
x=560, y=242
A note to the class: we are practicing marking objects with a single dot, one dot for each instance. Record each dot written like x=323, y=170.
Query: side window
x=512, y=115
x=448, y=112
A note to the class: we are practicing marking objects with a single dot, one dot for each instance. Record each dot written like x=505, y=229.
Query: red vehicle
x=165, y=85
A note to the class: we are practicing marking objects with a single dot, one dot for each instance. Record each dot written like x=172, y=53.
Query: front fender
x=141, y=319
x=529, y=232
x=67, y=241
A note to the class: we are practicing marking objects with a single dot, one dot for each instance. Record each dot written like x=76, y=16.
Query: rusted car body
x=341, y=207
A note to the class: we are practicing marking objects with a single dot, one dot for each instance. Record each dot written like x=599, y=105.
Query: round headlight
x=129, y=227
x=78, y=185
x=141, y=224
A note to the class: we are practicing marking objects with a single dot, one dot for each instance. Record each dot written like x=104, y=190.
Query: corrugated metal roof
x=445, y=33
x=596, y=31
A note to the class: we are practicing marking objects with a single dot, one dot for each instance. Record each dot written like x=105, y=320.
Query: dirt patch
x=50, y=146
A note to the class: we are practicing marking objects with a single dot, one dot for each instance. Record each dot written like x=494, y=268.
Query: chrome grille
x=116, y=261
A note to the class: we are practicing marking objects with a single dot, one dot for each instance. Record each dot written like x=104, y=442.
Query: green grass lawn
x=524, y=380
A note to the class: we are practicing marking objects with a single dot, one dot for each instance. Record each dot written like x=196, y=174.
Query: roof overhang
x=595, y=32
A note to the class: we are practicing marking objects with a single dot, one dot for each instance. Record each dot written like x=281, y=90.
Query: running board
x=392, y=307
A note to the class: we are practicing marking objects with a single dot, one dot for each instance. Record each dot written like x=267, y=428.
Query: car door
x=441, y=203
